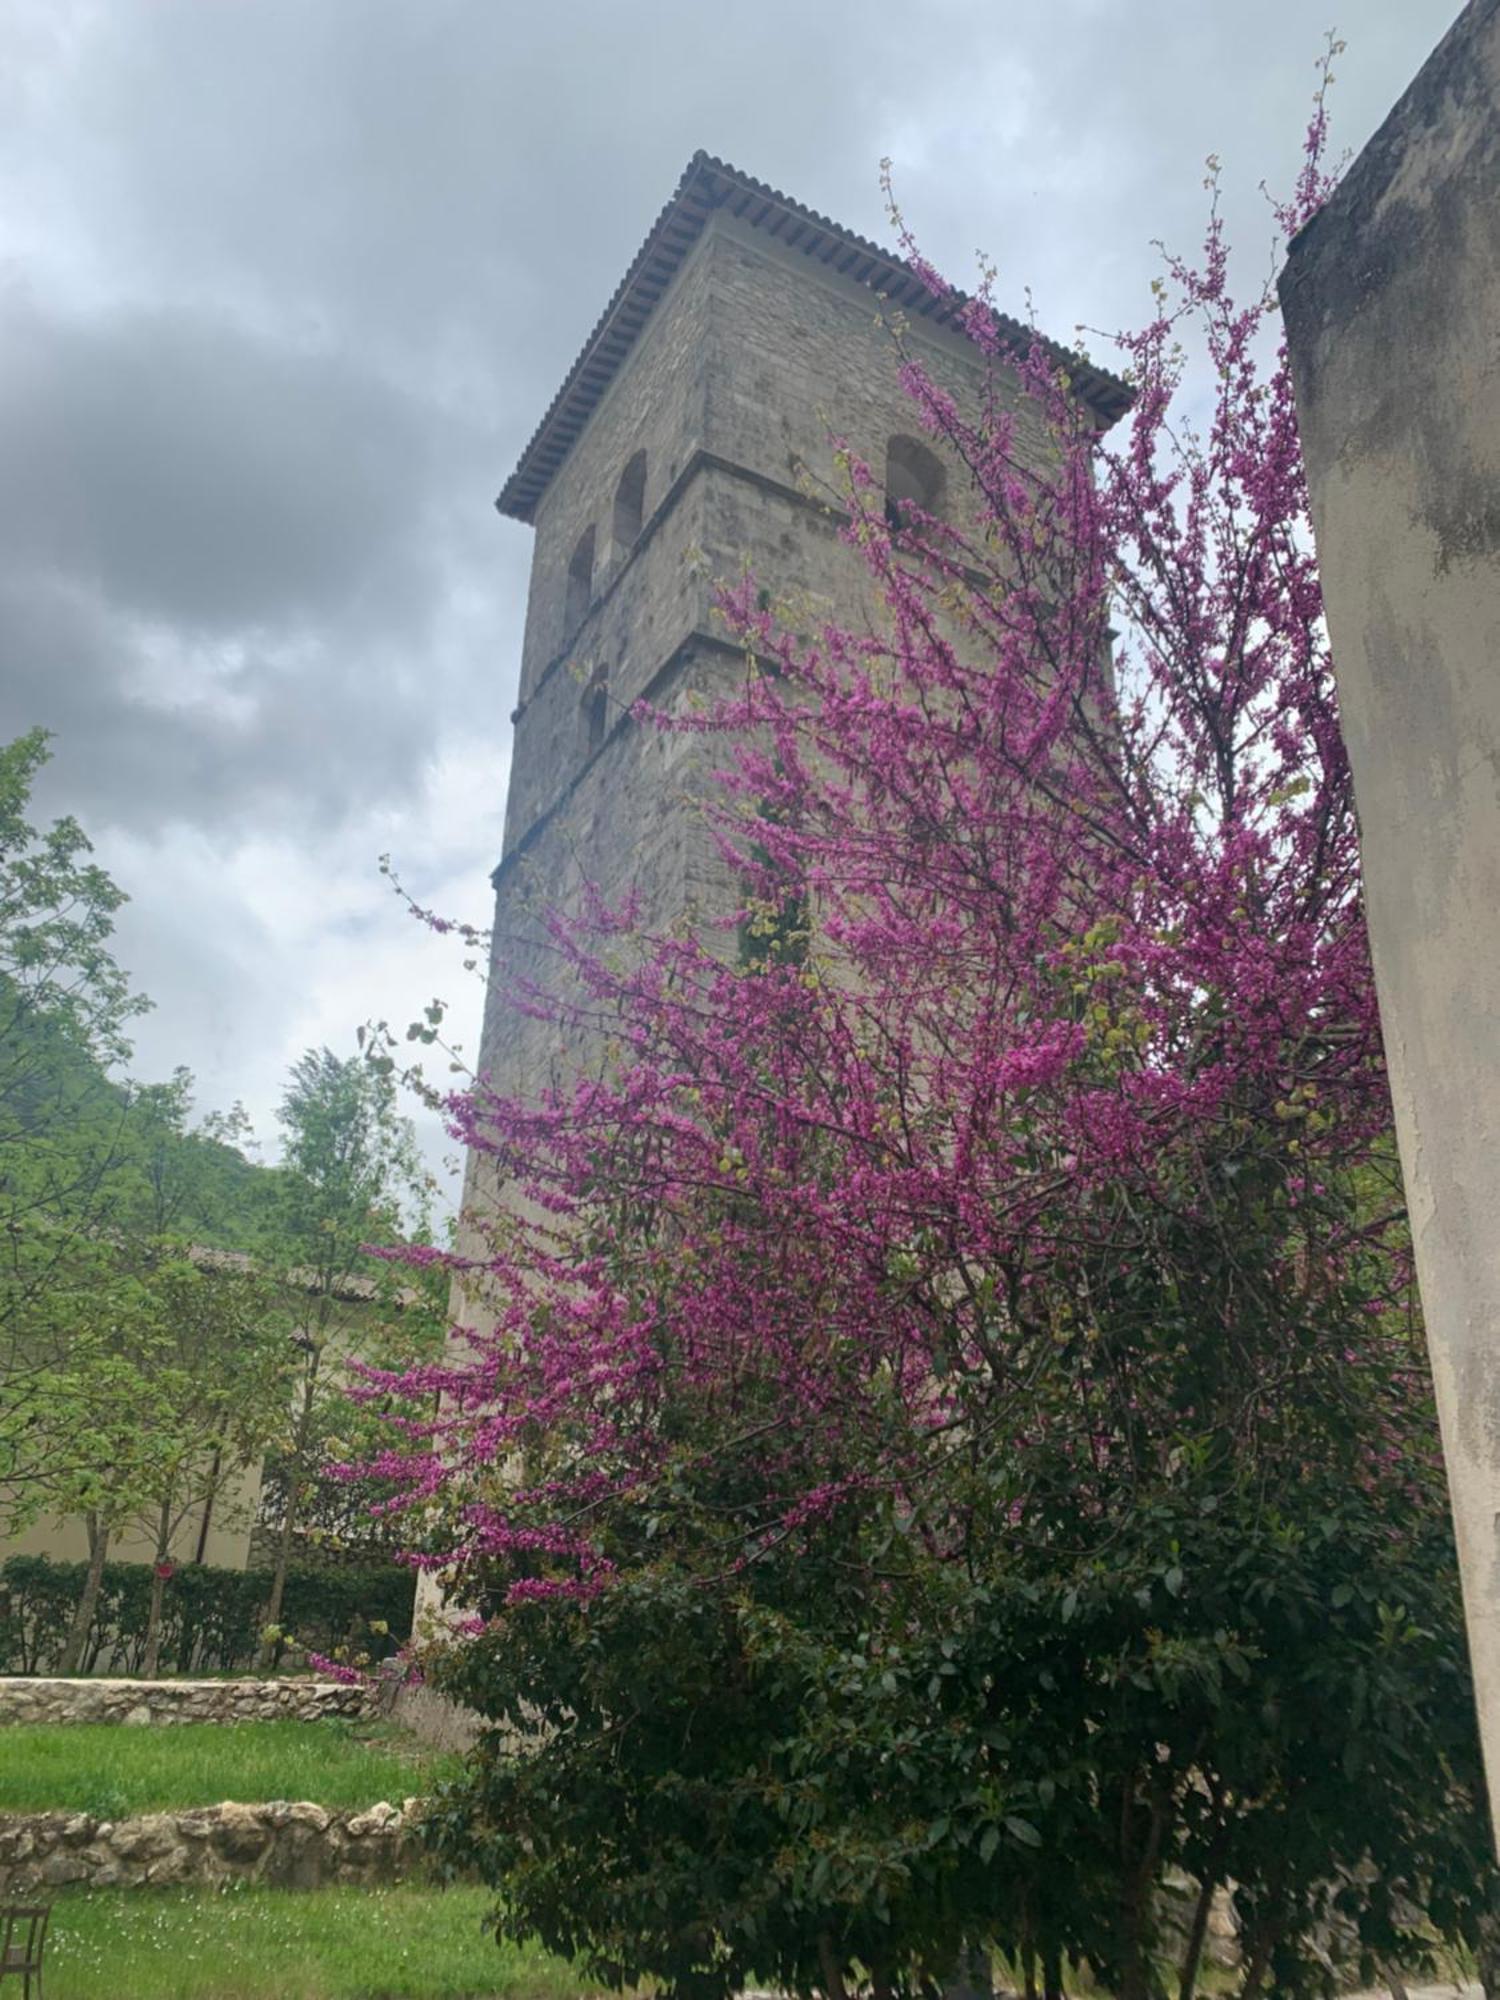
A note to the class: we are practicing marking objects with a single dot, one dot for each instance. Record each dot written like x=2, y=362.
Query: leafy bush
x=212, y=1618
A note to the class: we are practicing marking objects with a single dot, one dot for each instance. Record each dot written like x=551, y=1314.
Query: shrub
x=211, y=1617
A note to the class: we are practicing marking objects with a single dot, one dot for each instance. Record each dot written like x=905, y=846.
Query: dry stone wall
x=297, y=1698
x=292, y=1845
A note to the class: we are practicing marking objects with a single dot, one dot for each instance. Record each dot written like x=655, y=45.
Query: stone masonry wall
x=752, y=356
x=287, y=1845
x=749, y=360
x=796, y=353
x=655, y=403
x=293, y=1699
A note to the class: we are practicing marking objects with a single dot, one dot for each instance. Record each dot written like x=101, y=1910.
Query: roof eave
x=708, y=184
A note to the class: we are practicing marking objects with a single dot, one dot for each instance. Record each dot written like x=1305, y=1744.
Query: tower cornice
x=709, y=185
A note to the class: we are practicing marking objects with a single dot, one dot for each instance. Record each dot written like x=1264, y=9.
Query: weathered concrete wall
x=296, y=1698
x=1392, y=302
x=435, y=1720
x=290, y=1845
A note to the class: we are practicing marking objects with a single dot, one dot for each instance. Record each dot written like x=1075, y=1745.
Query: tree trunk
x=970, y=1979
x=215, y=1473
x=1138, y=1878
x=1202, y=1910
x=1258, y=1962
x=1052, y=1978
x=268, y=1645
x=1256, y=1951
x=833, y=1977
x=83, y=1612
x=150, y=1666
x=295, y=1484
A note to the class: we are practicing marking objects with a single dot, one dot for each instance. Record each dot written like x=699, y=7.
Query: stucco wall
x=1392, y=302
x=226, y=1546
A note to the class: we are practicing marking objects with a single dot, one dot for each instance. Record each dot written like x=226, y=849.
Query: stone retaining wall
x=291, y=1845
x=295, y=1698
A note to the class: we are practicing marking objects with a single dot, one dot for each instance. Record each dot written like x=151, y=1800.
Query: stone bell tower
x=690, y=439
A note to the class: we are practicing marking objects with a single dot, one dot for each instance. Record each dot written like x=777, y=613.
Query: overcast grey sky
x=286, y=284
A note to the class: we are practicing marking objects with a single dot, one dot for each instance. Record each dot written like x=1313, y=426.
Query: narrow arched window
x=580, y=582
x=630, y=505
x=593, y=712
x=913, y=480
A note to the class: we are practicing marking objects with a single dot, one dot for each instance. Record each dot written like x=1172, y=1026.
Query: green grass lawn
x=111, y=1771
x=275, y=1944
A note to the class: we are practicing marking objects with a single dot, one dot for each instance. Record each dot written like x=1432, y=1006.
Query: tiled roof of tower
x=710, y=184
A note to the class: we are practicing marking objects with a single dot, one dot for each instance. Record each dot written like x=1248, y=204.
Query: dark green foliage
x=752, y=1795
x=211, y=1617
x=864, y=1749
x=1211, y=1628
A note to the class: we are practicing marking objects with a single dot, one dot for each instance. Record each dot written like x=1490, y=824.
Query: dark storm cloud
x=281, y=740
x=198, y=474
x=333, y=220
x=286, y=284
x=222, y=563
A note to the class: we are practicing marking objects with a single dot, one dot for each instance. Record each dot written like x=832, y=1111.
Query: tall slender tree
x=352, y=1176
x=65, y=1013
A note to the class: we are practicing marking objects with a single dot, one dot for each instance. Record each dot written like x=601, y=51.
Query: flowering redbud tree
x=952, y=1467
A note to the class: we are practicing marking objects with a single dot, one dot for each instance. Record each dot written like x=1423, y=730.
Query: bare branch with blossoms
x=968, y=1308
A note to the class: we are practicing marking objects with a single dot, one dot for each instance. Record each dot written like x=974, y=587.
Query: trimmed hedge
x=211, y=1619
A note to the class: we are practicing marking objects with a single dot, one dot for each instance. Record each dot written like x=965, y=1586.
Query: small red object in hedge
x=164, y=1570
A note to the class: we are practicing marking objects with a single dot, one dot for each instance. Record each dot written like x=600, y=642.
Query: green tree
x=65, y=1008
x=209, y=1348
x=155, y=1366
x=173, y=1376
x=119, y=1370
x=352, y=1178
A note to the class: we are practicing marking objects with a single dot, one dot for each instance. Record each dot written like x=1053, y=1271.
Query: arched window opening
x=630, y=505
x=580, y=582
x=594, y=710
x=913, y=479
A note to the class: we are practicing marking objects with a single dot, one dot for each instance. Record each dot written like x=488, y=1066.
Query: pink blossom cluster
x=1051, y=939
